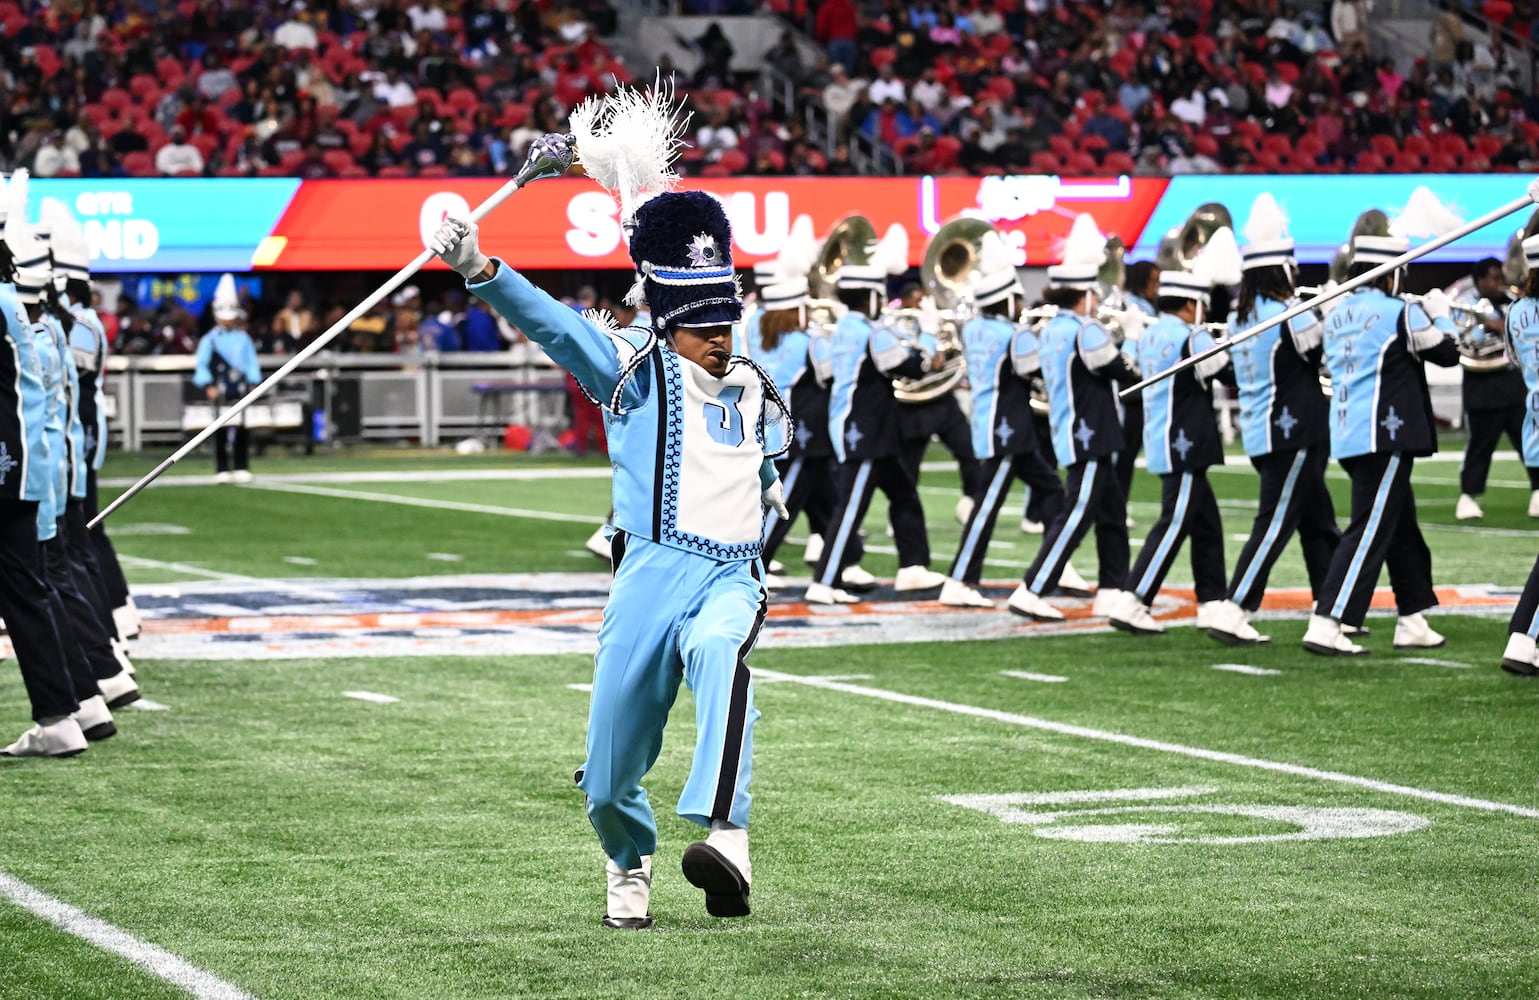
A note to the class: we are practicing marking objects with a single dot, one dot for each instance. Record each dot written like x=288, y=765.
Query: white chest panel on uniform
x=718, y=474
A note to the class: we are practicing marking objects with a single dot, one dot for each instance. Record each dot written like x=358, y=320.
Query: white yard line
x=378, y=699
x=403, y=476
x=1026, y=675
x=288, y=587
x=1429, y=662
x=1138, y=742
x=1241, y=668
x=154, y=960
x=581, y=687
x=469, y=508
x=145, y=705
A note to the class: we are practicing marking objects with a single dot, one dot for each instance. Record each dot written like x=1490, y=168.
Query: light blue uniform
x=1523, y=349
x=229, y=348
x=24, y=471
x=47, y=340
x=690, y=462
x=88, y=344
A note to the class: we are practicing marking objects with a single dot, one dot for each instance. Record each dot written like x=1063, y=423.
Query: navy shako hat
x=682, y=248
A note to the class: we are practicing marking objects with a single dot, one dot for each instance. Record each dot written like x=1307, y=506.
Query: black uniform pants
x=1485, y=429
x=998, y=472
x=941, y=418
x=1132, y=442
x=1525, y=617
x=1093, y=497
x=1035, y=498
x=1383, y=532
x=114, y=586
x=1188, y=509
x=86, y=641
x=1294, y=497
x=231, y=439
x=83, y=563
x=28, y=613
x=857, y=482
x=811, y=487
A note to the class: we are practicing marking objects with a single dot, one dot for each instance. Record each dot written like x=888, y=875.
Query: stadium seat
x=734, y=161
x=1081, y=165
x=1416, y=145
x=1119, y=163
x=338, y=159
x=1044, y=162
x=139, y=165
x=1385, y=146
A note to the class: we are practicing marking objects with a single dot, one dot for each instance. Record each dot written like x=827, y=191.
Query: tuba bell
x=1180, y=246
x=947, y=275
x=849, y=242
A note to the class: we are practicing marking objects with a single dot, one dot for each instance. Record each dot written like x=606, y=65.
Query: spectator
x=840, y=96
x=128, y=139
x=55, y=158
x=786, y=58
x=178, y=157
x=716, y=136
x=1447, y=34
x=292, y=327
x=1349, y=23
x=216, y=79
x=887, y=87
x=314, y=165
x=297, y=32
x=428, y=16
x=371, y=333
x=715, y=54
x=1189, y=161
x=479, y=329
x=836, y=29
x=426, y=148
x=393, y=90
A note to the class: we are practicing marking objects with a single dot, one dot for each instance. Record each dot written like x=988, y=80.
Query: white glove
x=1437, y=304
x=455, y=243
x=1325, y=289
x=774, y=497
x=1132, y=325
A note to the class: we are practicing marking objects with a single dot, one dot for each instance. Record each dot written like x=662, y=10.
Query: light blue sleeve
x=201, y=375
x=571, y=341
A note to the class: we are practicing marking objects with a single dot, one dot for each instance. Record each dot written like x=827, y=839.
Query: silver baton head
x=551, y=155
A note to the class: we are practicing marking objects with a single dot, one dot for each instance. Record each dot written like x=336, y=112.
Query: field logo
x=1149, y=821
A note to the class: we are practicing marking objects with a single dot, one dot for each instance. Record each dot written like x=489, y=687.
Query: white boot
x=629, y=895
x=956, y=594
x=598, y=543
x=964, y=510
x=819, y=593
x=857, y=580
x=1030, y=527
x=1467, y=509
x=719, y=865
x=1324, y=637
x=917, y=578
x=1028, y=605
x=814, y=550
x=126, y=619
x=1106, y=601
x=775, y=566
x=1225, y=621
x=119, y=689
x=241, y=476
x=1413, y=632
x=773, y=582
x=1520, y=656
x=57, y=739
x=94, y=719
x=1533, y=504
x=1070, y=582
x=1131, y=615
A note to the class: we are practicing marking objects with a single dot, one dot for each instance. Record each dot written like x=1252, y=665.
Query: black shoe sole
x=125, y=699
x=50, y=756
x=628, y=923
x=1319, y=650
x=1413, y=646
x=1029, y=616
x=1520, y=668
x=100, y=731
x=1230, y=639
x=859, y=588
x=1130, y=628
x=726, y=894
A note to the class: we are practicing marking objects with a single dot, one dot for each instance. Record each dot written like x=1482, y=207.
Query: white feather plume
x=799, y=252
x=993, y=255
x=627, y=141
x=17, y=232
x=1267, y=221
x=891, y=251
x=69, y=242
x=1220, y=262
x=602, y=319
x=1424, y=217
x=1084, y=246
x=225, y=296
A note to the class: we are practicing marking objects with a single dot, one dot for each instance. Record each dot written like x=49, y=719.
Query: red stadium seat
x=1385, y=146
x=392, y=172
x=1369, y=163
x=117, y=98
x=338, y=159
x=1081, y=165
x=1062, y=145
x=1119, y=163
x=1417, y=145
x=734, y=161
x=1206, y=145
x=948, y=150
x=1310, y=148
x=439, y=171
x=1487, y=146
x=139, y=165
x=1046, y=163
x=1442, y=163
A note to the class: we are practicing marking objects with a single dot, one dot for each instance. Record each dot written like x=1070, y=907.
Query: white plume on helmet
x=1424, y=217
x=785, y=277
x=31, y=254
x=997, y=278
x=1219, y=261
x=1084, y=251
x=891, y=252
x=226, y=302
x=71, y=253
x=1267, y=242
x=627, y=142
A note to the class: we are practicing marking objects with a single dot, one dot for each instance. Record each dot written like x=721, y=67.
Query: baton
x=550, y=156
x=1362, y=279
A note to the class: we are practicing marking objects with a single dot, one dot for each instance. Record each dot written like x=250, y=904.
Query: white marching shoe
x=1132, y=615
x=241, y=476
x=1533, y=504
x=917, y=578
x=1028, y=605
x=126, y=619
x=956, y=594
x=773, y=582
x=224, y=478
x=857, y=580
x=120, y=653
x=119, y=689
x=1468, y=509
x=719, y=865
x=821, y=593
x=1070, y=582
x=775, y=566
x=1226, y=622
x=1521, y=657
x=814, y=550
x=94, y=719
x=1325, y=637
x=964, y=510
x=1030, y=527
x=630, y=892
x=598, y=543
x=1107, y=600
x=58, y=739
x=1413, y=632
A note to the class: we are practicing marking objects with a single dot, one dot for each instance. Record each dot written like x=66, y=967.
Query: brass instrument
x=1479, y=349
x=947, y=274
x=1515, y=267
x=849, y=242
x=1180, y=246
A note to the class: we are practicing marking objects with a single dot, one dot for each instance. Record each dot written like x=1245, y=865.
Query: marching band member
x=1001, y=357
x=1523, y=349
x=1081, y=367
x=689, y=429
x=1143, y=282
x=56, y=688
x=226, y=368
x=1283, y=426
x=1494, y=396
x=1181, y=439
x=863, y=428
x=1381, y=418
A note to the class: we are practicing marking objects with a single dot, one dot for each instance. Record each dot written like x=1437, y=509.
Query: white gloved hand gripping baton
x=1493, y=216
x=551, y=155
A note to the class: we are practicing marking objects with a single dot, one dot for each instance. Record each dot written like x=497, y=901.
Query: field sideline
x=371, y=796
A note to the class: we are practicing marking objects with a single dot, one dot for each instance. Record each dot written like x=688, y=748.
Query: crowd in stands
x=352, y=88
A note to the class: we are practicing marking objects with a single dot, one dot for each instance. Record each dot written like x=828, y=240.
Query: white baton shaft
x=531, y=171
x=1362, y=279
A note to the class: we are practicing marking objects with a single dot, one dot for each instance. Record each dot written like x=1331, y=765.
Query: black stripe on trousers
x=737, y=712
x=660, y=386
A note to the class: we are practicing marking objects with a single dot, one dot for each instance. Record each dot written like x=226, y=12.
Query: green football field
x=1040, y=815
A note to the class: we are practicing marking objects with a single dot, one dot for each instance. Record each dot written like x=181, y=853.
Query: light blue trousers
x=672, y=615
